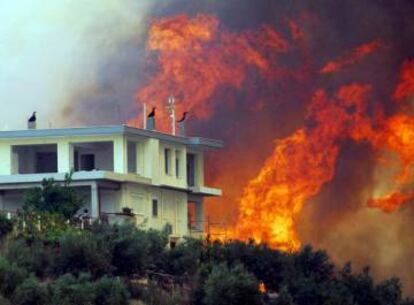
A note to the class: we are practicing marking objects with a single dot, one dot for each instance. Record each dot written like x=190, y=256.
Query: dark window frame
x=155, y=207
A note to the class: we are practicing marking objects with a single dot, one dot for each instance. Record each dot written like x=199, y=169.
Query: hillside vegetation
x=47, y=260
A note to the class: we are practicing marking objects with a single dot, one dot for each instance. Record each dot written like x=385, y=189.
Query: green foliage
x=182, y=260
x=4, y=301
x=233, y=286
x=54, y=198
x=31, y=292
x=35, y=258
x=82, y=252
x=389, y=292
x=69, y=290
x=110, y=291
x=10, y=277
x=6, y=226
x=153, y=294
x=130, y=249
x=54, y=263
x=42, y=226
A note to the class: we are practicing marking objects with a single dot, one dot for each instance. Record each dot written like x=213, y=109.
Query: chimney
x=151, y=123
x=31, y=125
x=181, y=128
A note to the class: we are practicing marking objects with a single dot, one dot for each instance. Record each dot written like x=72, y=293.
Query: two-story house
x=159, y=176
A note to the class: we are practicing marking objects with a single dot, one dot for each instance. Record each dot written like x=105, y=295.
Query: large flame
x=198, y=56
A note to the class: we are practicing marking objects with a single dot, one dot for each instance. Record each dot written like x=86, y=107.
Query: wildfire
x=348, y=59
x=300, y=165
x=198, y=57
x=406, y=85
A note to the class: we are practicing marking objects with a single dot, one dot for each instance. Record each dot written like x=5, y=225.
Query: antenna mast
x=171, y=108
x=144, y=112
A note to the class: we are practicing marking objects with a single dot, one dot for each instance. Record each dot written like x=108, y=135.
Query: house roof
x=110, y=130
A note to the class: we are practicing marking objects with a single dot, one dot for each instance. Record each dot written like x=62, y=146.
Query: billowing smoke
x=52, y=51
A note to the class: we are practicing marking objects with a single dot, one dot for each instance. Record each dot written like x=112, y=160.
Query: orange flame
x=391, y=202
x=348, y=59
x=300, y=165
x=406, y=86
x=198, y=56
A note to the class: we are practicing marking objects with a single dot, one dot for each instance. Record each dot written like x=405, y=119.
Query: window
x=154, y=207
x=191, y=164
x=46, y=162
x=177, y=164
x=167, y=156
x=88, y=162
x=132, y=157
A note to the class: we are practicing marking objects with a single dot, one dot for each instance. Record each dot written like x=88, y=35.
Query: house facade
x=160, y=177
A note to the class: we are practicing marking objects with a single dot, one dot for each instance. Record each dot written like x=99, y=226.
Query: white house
x=159, y=176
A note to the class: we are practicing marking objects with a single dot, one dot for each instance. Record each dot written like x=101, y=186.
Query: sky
x=51, y=49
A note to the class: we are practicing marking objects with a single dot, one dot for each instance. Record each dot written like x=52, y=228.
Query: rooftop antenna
x=171, y=108
x=144, y=113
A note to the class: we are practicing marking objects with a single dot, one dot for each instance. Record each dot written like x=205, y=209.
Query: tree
x=110, y=291
x=233, y=286
x=35, y=258
x=31, y=292
x=83, y=252
x=6, y=226
x=54, y=198
x=71, y=290
x=11, y=276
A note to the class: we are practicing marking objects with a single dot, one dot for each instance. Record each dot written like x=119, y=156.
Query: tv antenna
x=171, y=108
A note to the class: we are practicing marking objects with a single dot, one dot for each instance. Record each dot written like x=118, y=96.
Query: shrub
x=6, y=226
x=30, y=292
x=10, y=277
x=69, y=290
x=35, y=258
x=4, y=301
x=54, y=198
x=82, y=252
x=233, y=286
x=153, y=294
x=110, y=291
x=130, y=250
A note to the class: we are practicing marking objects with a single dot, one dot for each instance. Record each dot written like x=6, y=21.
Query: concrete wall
x=102, y=151
x=149, y=157
x=172, y=207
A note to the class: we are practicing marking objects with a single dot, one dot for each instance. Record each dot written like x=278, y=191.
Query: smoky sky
x=332, y=29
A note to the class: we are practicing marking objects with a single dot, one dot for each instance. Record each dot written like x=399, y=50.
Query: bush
x=30, y=292
x=69, y=290
x=54, y=198
x=110, y=291
x=6, y=226
x=233, y=286
x=35, y=258
x=82, y=252
x=4, y=301
x=11, y=276
x=129, y=250
x=153, y=294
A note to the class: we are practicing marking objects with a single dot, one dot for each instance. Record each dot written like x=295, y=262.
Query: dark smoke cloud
x=337, y=219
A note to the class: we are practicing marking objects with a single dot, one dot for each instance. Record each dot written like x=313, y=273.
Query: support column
x=120, y=155
x=151, y=162
x=95, y=200
x=2, y=200
x=199, y=214
x=8, y=160
x=65, y=157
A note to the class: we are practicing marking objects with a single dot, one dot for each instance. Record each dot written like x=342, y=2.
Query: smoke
x=52, y=50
